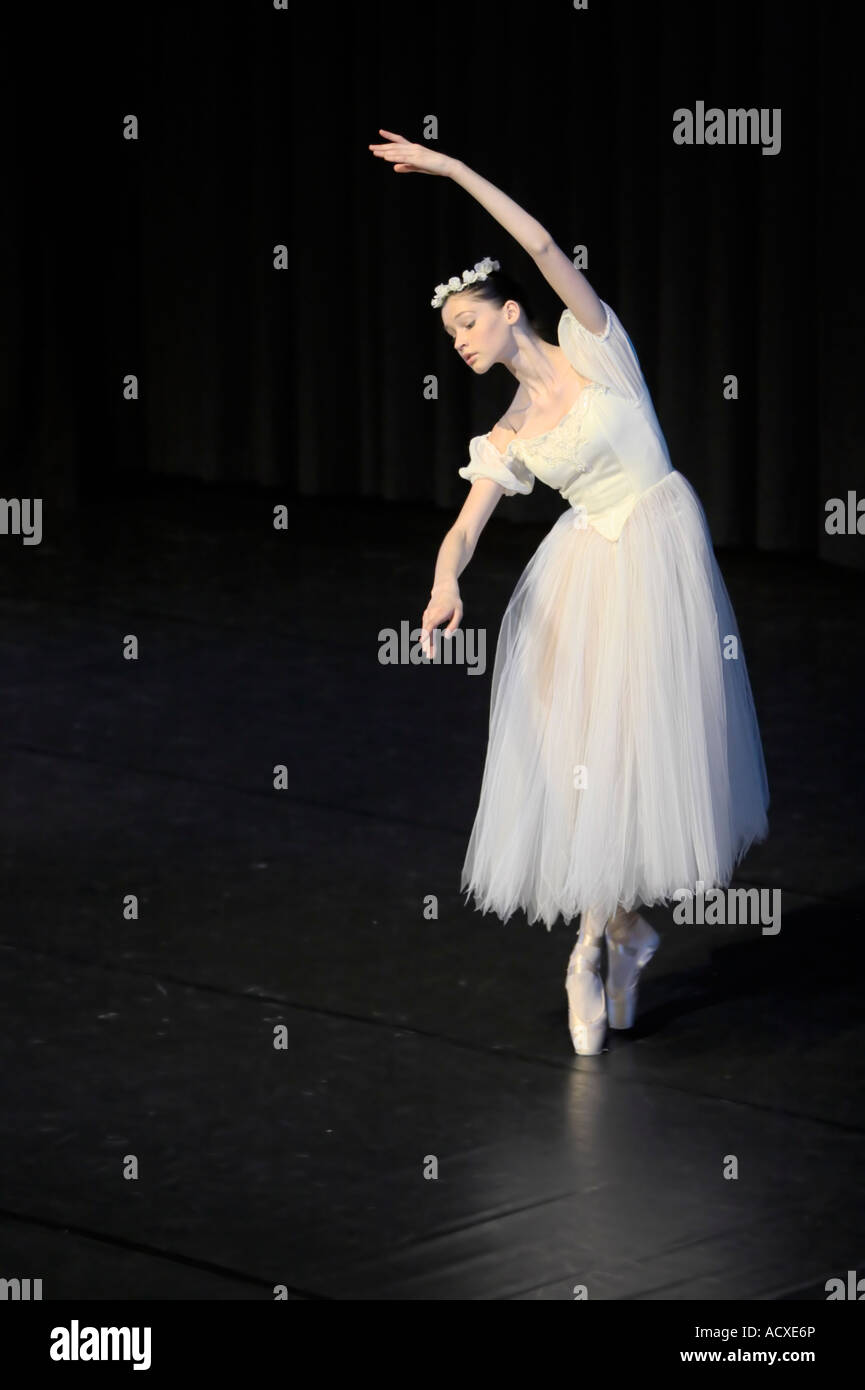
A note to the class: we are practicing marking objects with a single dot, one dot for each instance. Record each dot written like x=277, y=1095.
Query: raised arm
x=569, y=283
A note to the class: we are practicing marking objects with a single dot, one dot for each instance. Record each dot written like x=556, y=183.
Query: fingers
x=399, y=149
x=401, y=153
x=394, y=140
x=389, y=153
x=431, y=619
x=454, y=622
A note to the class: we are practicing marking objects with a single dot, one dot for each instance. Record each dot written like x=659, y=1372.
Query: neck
x=535, y=364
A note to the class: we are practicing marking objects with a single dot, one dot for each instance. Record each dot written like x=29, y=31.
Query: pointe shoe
x=587, y=1034
x=628, y=952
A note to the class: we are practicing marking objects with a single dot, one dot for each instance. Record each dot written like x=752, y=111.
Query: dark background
x=154, y=257
x=306, y=905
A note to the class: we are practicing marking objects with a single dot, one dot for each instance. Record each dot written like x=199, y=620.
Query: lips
x=471, y=357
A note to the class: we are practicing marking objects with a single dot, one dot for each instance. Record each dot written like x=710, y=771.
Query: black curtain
x=153, y=257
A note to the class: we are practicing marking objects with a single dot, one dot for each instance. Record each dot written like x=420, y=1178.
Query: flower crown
x=455, y=284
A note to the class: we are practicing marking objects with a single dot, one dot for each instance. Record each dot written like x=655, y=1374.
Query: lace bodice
x=563, y=438
x=606, y=449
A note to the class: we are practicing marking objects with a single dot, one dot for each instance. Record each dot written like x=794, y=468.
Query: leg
x=587, y=1005
x=623, y=922
x=591, y=929
x=631, y=943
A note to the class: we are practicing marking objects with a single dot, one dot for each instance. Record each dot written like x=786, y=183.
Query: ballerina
x=624, y=760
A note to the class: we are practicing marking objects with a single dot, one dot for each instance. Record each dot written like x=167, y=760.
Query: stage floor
x=280, y=1068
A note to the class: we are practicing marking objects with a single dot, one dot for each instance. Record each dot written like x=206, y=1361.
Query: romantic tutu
x=624, y=760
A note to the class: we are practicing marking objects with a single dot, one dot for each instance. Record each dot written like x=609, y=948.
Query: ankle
x=591, y=932
x=585, y=958
x=622, y=925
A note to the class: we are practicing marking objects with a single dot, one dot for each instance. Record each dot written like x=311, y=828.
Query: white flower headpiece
x=455, y=284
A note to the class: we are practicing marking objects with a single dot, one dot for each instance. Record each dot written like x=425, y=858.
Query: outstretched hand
x=445, y=603
x=407, y=158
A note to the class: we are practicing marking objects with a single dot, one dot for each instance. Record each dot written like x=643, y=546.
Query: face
x=481, y=333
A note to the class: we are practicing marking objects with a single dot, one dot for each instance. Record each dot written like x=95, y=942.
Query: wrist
x=445, y=584
x=453, y=167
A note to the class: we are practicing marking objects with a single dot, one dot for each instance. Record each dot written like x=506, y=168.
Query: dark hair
x=499, y=287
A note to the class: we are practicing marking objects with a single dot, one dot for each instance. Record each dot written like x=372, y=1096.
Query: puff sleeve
x=506, y=470
x=607, y=357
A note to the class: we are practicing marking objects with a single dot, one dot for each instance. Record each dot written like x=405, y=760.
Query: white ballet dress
x=624, y=760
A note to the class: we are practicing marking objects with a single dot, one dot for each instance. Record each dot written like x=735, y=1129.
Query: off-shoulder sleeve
x=607, y=357
x=486, y=462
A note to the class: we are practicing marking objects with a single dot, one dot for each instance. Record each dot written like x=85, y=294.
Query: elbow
x=543, y=247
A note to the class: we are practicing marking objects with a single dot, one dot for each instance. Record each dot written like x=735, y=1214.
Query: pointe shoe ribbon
x=587, y=1035
x=629, y=950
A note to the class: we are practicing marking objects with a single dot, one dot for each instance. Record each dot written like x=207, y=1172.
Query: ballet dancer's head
x=489, y=321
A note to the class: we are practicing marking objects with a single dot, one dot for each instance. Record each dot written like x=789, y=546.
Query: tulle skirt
x=624, y=759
